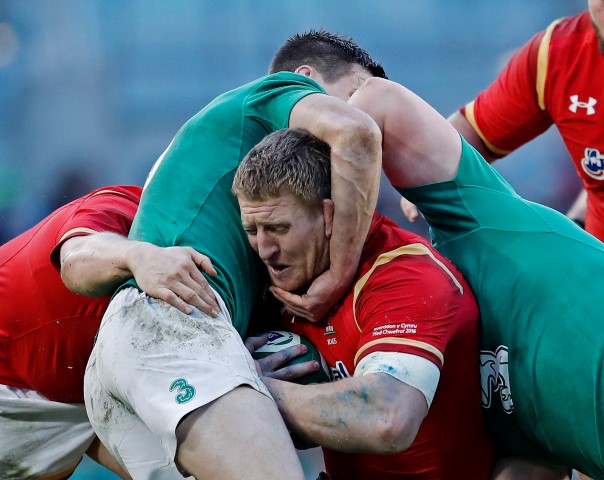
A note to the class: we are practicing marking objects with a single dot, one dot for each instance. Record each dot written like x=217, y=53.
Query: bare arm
x=375, y=413
x=95, y=265
x=356, y=154
x=419, y=145
x=464, y=127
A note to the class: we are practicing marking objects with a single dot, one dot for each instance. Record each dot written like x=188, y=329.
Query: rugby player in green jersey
x=166, y=390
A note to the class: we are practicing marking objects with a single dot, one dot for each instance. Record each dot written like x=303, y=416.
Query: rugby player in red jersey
x=47, y=330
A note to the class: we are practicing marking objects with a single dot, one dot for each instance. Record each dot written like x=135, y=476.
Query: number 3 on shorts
x=186, y=391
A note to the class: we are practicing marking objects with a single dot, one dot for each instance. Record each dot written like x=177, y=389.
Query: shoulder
x=129, y=193
x=109, y=208
x=567, y=27
x=280, y=81
x=396, y=257
x=291, y=79
x=565, y=37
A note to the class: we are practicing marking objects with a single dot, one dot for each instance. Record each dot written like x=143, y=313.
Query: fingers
x=202, y=297
x=275, y=361
x=297, y=305
x=252, y=343
x=173, y=274
x=184, y=297
x=196, y=290
x=273, y=365
x=170, y=297
x=409, y=209
x=202, y=262
x=285, y=297
x=292, y=372
x=323, y=293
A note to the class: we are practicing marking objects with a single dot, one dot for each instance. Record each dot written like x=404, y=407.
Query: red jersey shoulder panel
x=506, y=114
x=46, y=331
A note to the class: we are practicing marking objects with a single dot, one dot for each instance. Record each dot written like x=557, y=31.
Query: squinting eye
x=250, y=231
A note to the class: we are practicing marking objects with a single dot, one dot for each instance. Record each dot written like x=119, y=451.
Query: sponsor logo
x=329, y=332
x=280, y=338
x=185, y=391
x=593, y=163
x=575, y=104
x=495, y=378
x=339, y=371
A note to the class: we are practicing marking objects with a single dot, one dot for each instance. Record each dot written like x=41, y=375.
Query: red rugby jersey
x=46, y=331
x=556, y=78
x=409, y=298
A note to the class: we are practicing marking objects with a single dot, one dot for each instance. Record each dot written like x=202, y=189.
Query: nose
x=267, y=247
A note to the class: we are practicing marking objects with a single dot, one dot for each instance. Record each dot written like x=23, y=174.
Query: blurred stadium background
x=92, y=91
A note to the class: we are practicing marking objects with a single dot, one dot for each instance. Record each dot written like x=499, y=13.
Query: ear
x=305, y=70
x=328, y=211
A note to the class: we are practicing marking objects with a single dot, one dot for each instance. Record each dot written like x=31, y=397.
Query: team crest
x=593, y=163
x=495, y=378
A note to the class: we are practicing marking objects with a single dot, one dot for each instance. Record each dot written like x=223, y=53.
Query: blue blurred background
x=92, y=91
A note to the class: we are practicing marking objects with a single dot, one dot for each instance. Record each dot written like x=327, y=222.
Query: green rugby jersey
x=187, y=200
x=537, y=279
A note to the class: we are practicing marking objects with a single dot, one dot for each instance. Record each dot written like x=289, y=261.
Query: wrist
x=134, y=255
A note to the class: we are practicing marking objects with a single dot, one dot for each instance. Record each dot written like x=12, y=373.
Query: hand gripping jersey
x=556, y=78
x=187, y=200
x=408, y=298
x=46, y=331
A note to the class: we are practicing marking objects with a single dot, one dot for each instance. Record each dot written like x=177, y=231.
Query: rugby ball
x=279, y=340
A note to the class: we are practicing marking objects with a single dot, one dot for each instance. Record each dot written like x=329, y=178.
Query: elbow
x=366, y=132
x=74, y=283
x=70, y=281
x=394, y=434
x=357, y=129
x=69, y=278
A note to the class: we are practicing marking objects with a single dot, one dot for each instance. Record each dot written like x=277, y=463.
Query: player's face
x=291, y=239
x=346, y=85
x=596, y=9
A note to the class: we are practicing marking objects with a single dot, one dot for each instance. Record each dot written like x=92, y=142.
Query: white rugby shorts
x=151, y=366
x=40, y=438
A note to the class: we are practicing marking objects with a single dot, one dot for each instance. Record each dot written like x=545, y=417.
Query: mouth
x=277, y=269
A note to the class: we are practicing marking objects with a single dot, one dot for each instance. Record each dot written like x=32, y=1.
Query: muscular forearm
x=356, y=158
x=371, y=414
x=356, y=166
x=95, y=265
